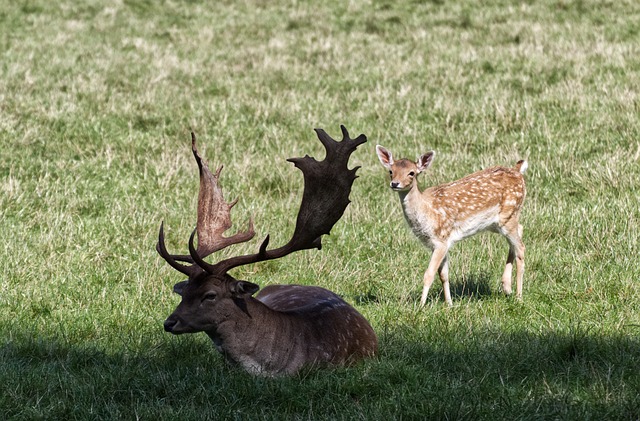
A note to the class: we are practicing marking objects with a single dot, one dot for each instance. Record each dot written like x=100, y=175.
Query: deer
x=440, y=216
x=283, y=328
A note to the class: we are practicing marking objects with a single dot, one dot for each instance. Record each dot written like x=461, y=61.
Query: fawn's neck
x=418, y=213
x=412, y=199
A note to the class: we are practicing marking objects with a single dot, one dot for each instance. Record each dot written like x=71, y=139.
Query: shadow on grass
x=474, y=286
x=517, y=375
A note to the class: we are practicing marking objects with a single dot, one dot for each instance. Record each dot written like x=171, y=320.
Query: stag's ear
x=243, y=288
x=179, y=287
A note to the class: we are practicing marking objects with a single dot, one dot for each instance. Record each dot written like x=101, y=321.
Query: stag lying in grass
x=487, y=200
x=285, y=327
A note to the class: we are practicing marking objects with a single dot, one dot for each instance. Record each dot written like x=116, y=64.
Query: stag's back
x=335, y=331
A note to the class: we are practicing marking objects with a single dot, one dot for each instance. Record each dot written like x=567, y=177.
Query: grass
x=96, y=102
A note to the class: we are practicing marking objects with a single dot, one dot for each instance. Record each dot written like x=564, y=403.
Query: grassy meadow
x=97, y=99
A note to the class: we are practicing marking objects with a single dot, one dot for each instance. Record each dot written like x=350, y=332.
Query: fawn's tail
x=521, y=166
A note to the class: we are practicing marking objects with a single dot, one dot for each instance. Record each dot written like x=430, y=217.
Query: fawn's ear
x=425, y=161
x=384, y=156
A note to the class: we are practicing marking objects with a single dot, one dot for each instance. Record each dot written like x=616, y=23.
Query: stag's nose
x=169, y=324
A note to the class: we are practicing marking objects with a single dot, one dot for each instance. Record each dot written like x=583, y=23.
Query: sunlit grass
x=96, y=102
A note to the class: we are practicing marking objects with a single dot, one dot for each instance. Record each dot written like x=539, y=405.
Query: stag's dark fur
x=283, y=329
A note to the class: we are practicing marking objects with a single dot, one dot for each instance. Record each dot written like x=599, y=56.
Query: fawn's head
x=403, y=172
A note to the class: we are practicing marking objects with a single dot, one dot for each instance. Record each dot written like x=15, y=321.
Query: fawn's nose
x=394, y=184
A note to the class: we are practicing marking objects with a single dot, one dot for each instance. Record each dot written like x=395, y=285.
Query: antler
x=214, y=218
x=327, y=185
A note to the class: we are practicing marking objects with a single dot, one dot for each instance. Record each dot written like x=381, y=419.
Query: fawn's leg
x=508, y=269
x=439, y=253
x=519, y=263
x=516, y=252
x=443, y=272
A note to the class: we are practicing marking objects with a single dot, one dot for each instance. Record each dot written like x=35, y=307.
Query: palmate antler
x=327, y=185
x=214, y=218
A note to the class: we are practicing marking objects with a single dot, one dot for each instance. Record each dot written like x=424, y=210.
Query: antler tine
x=189, y=270
x=327, y=185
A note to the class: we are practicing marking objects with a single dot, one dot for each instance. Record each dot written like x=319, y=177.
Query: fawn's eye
x=390, y=172
x=411, y=174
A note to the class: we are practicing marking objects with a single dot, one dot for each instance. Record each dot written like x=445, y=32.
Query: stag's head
x=210, y=295
x=207, y=302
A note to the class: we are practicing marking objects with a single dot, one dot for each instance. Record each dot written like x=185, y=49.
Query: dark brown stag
x=285, y=327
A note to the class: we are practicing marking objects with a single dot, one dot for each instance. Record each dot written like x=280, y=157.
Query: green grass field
x=96, y=102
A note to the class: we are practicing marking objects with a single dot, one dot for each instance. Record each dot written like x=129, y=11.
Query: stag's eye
x=411, y=174
x=209, y=296
x=390, y=172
